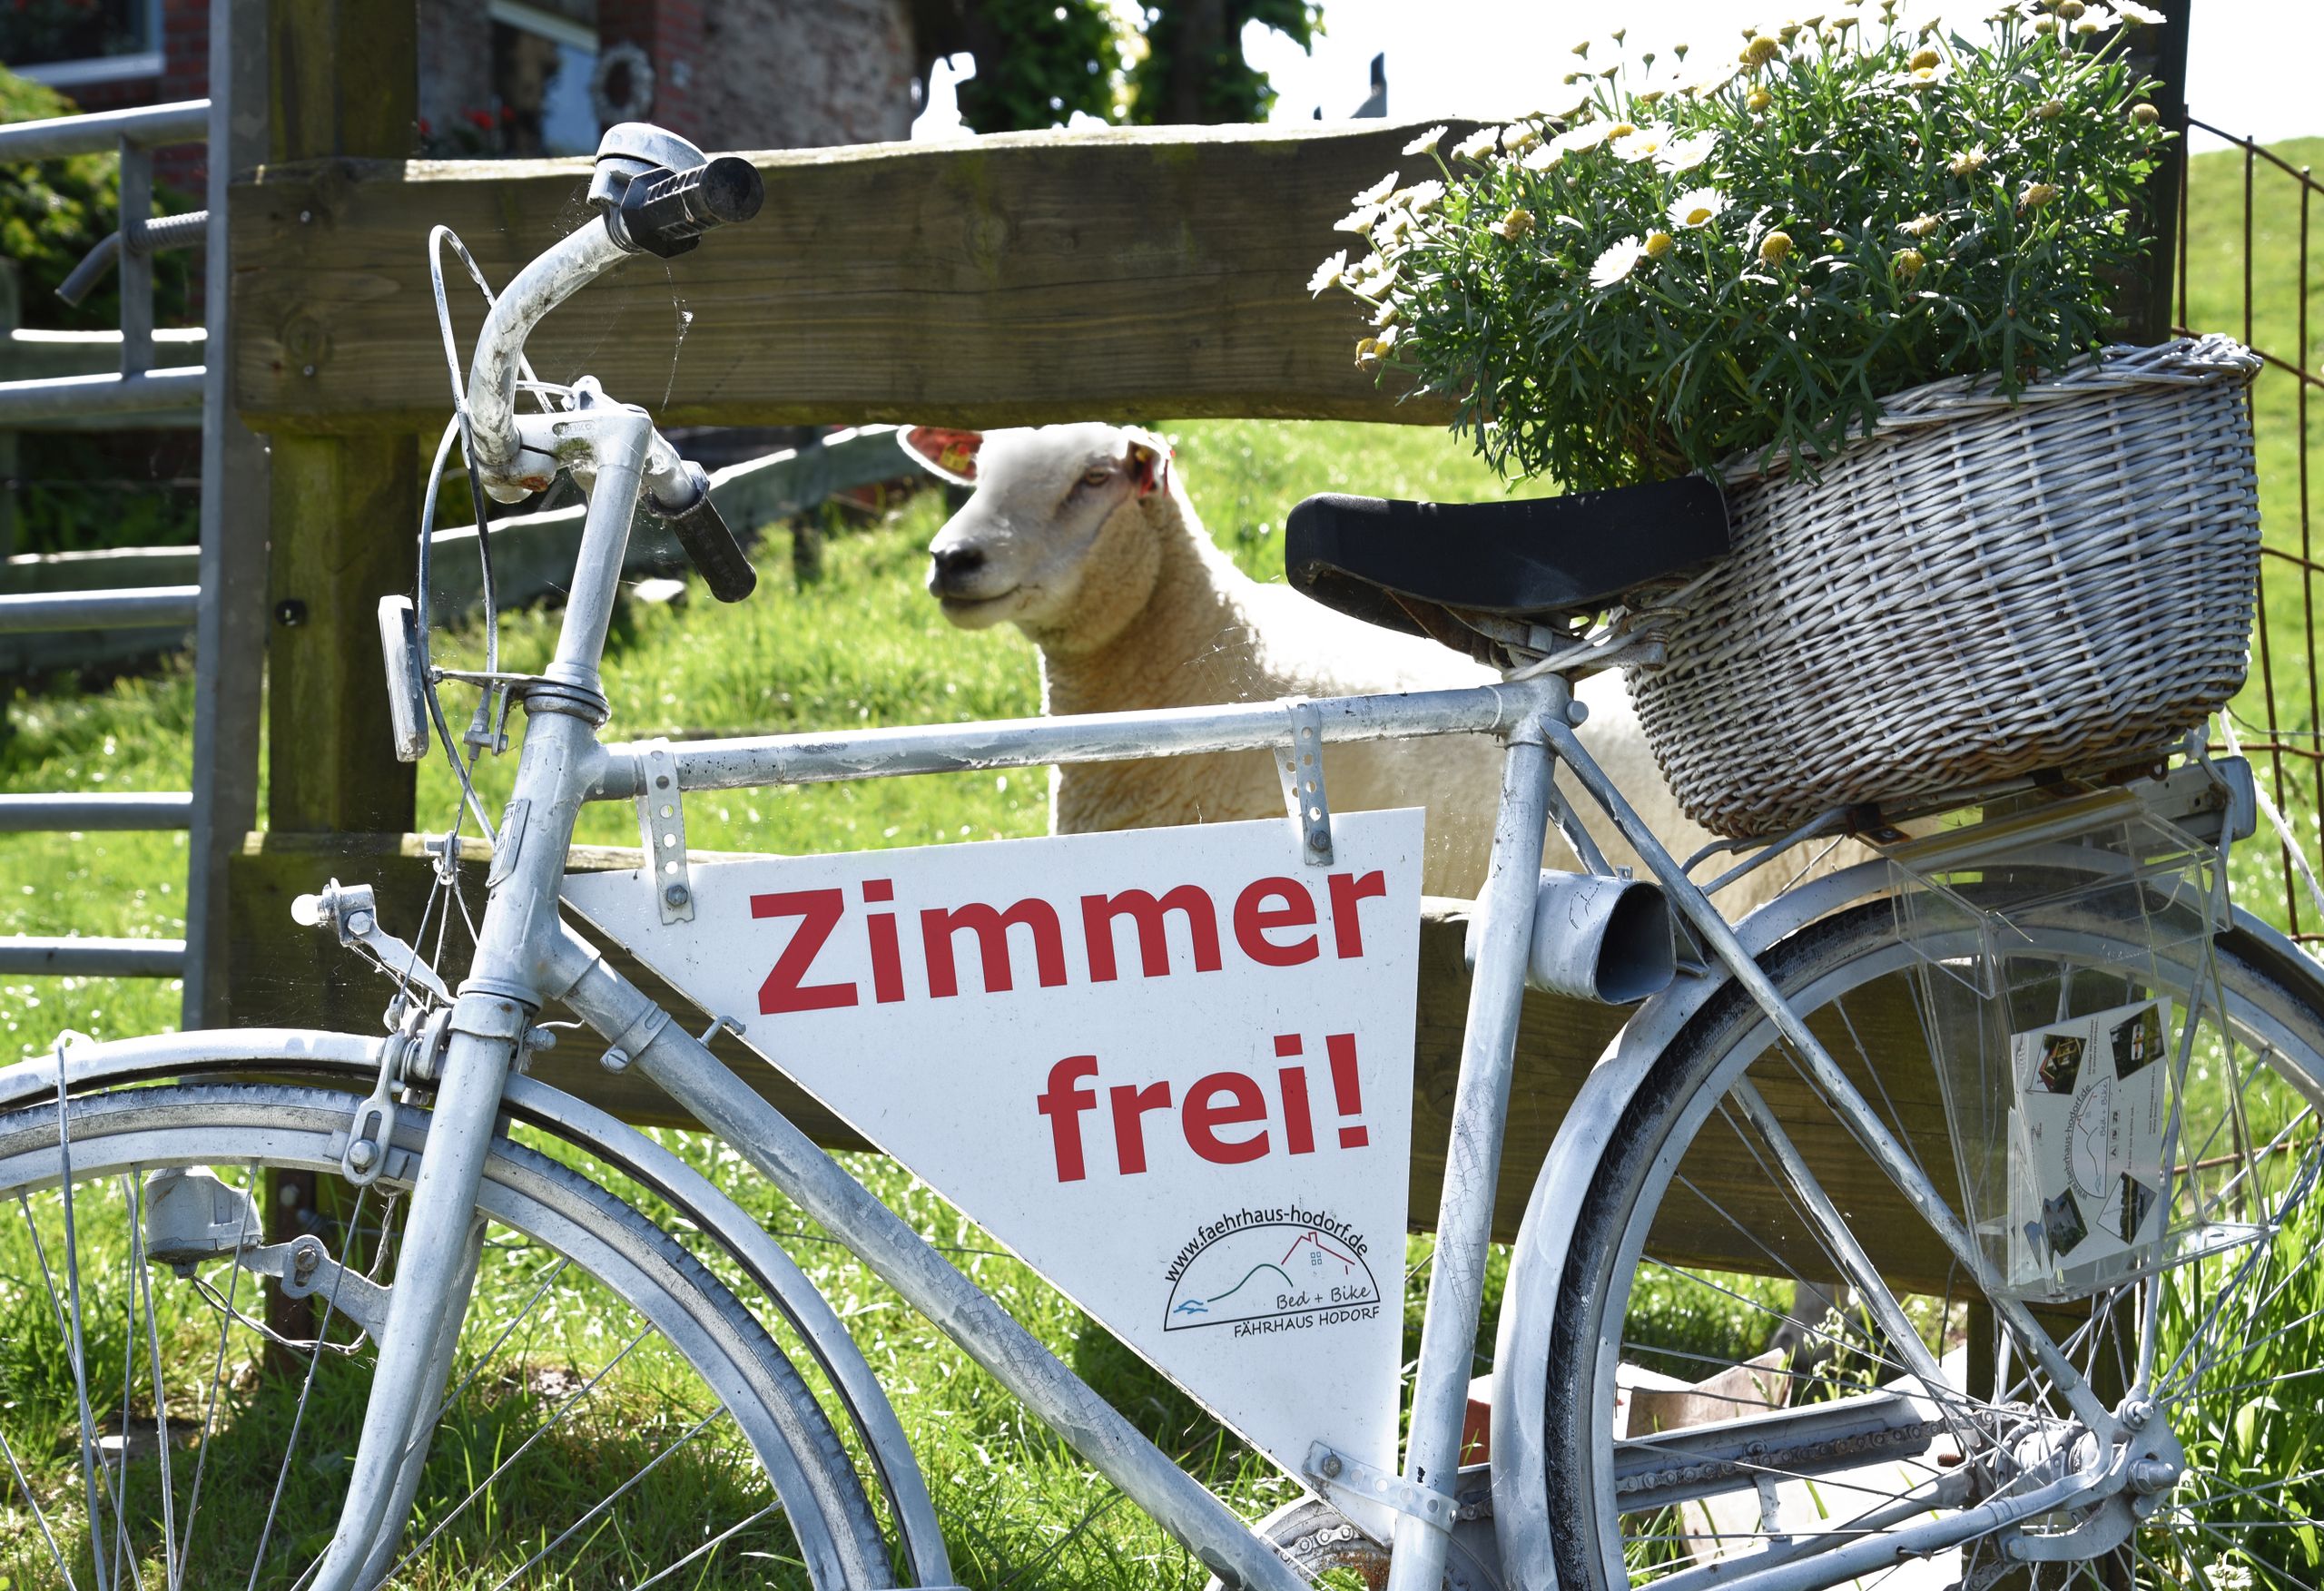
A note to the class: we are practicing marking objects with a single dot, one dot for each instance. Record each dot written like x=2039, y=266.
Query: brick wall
x=773, y=73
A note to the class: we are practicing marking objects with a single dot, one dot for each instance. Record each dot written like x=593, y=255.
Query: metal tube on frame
x=1448, y=1340
x=1096, y=736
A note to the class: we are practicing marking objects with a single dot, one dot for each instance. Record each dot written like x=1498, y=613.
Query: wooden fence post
x=230, y=635
x=2148, y=303
x=343, y=81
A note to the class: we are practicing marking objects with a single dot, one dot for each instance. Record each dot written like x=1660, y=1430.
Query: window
x=68, y=42
x=542, y=61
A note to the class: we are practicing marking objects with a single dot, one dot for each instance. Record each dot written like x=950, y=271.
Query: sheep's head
x=1055, y=539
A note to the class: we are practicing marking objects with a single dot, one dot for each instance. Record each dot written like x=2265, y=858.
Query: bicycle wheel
x=1724, y=1410
x=616, y=1414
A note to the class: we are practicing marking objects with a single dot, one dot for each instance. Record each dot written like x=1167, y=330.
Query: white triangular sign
x=1171, y=1068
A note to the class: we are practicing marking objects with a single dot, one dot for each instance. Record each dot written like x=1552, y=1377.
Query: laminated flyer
x=2085, y=1152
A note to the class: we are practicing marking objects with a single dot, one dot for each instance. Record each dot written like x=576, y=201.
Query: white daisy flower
x=1477, y=144
x=1378, y=191
x=1359, y=220
x=1426, y=143
x=1697, y=208
x=1575, y=140
x=1617, y=262
x=1328, y=274
x=1688, y=153
x=1543, y=158
x=1420, y=196
x=2144, y=15
x=1645, y=143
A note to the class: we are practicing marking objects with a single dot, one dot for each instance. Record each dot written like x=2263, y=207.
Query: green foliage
x=52, y=213
x=1666, y=271
x=1194, y=69
x=1054, y=59
x=1040, y=60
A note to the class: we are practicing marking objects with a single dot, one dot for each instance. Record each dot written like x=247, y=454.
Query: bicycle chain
x=1782, y=1458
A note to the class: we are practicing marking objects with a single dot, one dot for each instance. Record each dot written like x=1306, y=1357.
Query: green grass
x=866, y=647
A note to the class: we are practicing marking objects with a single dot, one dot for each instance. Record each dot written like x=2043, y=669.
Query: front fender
x=352, y=1060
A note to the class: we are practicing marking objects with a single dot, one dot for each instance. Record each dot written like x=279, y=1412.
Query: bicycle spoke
x=571, y=1401
x=315, y=1357
x=142, y=1277
x=609, y=1499
x=31, y=1505
x=217, y=1372
x=78, y=1348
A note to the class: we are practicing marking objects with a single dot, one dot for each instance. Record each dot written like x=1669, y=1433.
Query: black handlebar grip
x=666, y=215
x=713, y=550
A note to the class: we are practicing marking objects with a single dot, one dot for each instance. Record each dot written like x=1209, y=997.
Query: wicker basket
x=1981, y=589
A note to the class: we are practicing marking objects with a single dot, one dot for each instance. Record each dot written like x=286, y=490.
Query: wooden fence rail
x=1012, y=279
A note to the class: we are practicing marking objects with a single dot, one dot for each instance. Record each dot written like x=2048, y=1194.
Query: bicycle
x=1770, y=1133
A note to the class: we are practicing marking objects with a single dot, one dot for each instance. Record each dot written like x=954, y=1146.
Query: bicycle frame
x=528, y=957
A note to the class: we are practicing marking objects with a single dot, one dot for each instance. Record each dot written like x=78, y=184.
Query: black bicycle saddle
x=1397, y=564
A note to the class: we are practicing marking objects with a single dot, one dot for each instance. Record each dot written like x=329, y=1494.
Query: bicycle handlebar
x=658, y=211
x=666, y=215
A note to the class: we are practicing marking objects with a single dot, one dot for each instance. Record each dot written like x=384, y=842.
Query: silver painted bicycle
x=1945, y=1221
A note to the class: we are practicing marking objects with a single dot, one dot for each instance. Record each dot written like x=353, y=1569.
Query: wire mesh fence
x=2245, y=266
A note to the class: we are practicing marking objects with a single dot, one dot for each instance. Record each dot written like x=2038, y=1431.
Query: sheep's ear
x=1149, y=462
x=949, y=453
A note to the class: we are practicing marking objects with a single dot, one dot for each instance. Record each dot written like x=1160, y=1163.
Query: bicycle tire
x=1652, y=1169
x=751, y=1440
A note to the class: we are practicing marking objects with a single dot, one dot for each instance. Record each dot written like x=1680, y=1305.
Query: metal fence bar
x=91, y=958
x=151, y=607
x=148, y=126
x=114, y=810
x=68, y=397
x=229, y=631
x=2290, y=700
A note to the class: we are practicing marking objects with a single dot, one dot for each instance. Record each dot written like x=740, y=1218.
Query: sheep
x=1082, y=535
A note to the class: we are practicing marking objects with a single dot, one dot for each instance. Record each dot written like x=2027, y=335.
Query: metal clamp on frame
x=661, y=822
x=1301, y=766
x=1344, y=1479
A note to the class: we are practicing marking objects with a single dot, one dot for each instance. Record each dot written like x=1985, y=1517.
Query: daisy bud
x=1760, y=99
x=2145, y=115
x=1760, y=51
x=2037, y=194
x=1924, y=58
x=1657, y=244
x=2070, y=9
x=1775, y=248
x=2046, y=25
x=1514, y=225
x=2049, y=110
x=1909, y=264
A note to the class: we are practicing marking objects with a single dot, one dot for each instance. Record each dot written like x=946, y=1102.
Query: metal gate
x=136, y=387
